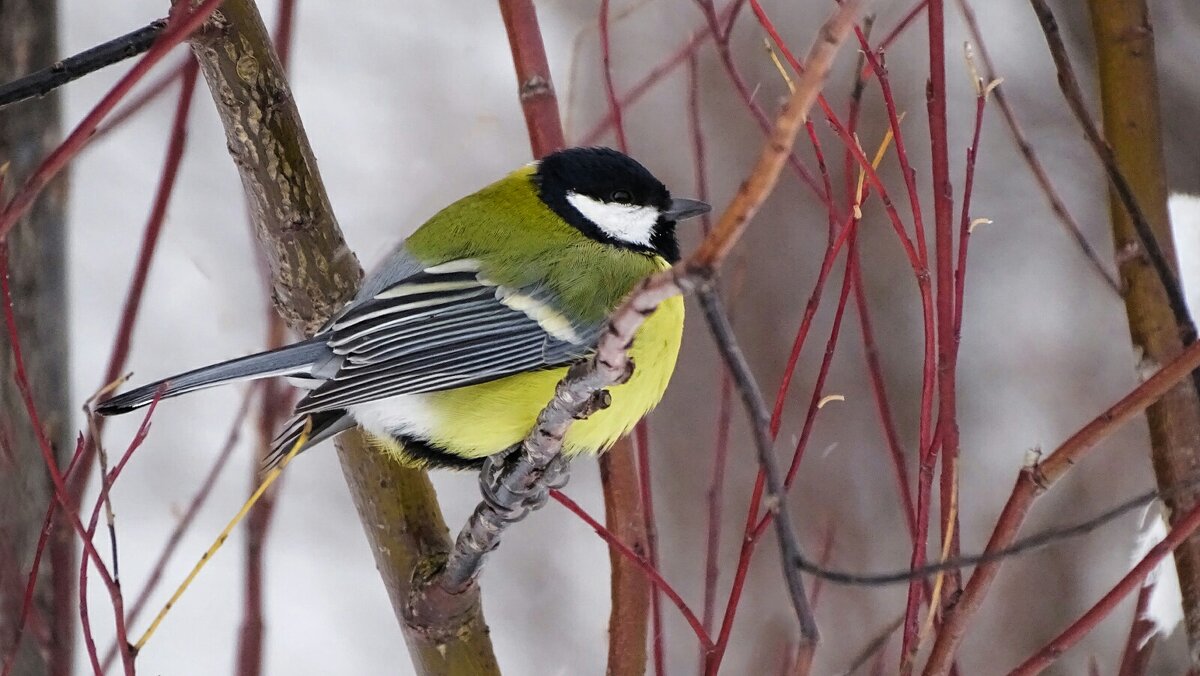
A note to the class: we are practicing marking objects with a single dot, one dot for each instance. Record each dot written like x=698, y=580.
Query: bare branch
x=312, y=273
x=521, y=485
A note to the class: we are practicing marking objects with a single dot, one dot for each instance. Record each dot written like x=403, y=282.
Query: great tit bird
x=455, y=343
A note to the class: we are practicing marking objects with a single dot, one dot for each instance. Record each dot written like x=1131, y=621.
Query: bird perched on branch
x=453, y=346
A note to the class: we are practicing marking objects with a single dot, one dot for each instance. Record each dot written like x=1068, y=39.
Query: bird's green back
x=522, y=243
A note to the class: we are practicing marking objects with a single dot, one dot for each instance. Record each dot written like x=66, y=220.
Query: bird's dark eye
x=621, y=196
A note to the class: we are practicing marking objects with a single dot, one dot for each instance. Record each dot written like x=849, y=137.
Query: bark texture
x=1130, y=100
x=313, y=272
x=36, y=251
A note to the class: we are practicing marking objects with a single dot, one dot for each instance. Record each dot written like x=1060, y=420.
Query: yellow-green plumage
x=455, y=343
x=590, y=277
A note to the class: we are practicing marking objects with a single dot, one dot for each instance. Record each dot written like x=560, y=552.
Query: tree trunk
x=36, y=251
x=1130, y=98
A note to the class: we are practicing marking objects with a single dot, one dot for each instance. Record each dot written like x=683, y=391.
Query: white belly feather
x=401, y=415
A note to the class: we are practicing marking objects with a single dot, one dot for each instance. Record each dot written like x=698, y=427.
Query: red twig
x=964, y=224
x=902, y=25
x=31, y=582
x=642, y=443
x=681, y=54
x=168, y=178
x=752, y=518
x=610, y=91
x=810, y=415
x=276, y=401
x=747, y=95
x=715, y=495
x=179, y=27
x=1182, y=529
x=716, y=500
x=1030, y=156
x=654, y=576
x=870, y=348
x=158, y=212
x=185, y=521
x=60, y=488
x=106, y=482
x=823, y=561
x=138, y=103
x=1139, y=646
x=947, y=337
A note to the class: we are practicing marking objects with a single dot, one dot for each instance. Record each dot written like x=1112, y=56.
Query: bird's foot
x=513, y=494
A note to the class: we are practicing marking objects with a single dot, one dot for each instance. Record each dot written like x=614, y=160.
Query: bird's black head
x=611, y=198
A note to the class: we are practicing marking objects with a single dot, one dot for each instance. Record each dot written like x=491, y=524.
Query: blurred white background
x=411, y=105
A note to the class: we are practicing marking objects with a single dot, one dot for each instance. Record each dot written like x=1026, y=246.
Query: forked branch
x=583, y=388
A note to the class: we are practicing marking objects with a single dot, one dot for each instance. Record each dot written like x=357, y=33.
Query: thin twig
x=1029, y=154
x=185, y=521
x=1183, y=528
x=874, y=646
x=1044, y=538
x=88, y=61
x=760, y=417
x=681, y=54
x=27, y=605
x=1034, y=480
x=1120, y=184
x=580, y=392
x=1143, y=635
x=180, y=25
x=610, y=91
x=650, y=571
x=70, y=511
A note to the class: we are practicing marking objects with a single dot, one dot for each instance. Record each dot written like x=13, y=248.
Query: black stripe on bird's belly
x=428, y=455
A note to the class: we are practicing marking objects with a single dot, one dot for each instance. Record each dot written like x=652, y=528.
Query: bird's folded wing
x=443, y=327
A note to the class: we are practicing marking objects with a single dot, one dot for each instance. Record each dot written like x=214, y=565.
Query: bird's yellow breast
x=480, y=420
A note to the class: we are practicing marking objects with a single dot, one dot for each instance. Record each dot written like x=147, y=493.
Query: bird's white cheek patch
x=624, y=222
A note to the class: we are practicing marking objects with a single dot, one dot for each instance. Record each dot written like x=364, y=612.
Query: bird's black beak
x=681, y=209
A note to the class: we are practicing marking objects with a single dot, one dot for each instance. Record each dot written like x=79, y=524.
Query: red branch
x=656, y=578
x=179, y=27
x=533, y=77
x=642, y=444
x=106, y=483
x=35, y=566
x=60, y=488
x=1182, y=529
x=610, y=91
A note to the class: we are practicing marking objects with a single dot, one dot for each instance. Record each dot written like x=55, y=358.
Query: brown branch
x=623, y=514
x=1158, y=319
x=520, y=485
x=36, y=254
x=760, y=417
x=1139, y=646
x=534, y=86
x=1036, y=479
x=1127, y=207
x=312, y=273
x=629, y=618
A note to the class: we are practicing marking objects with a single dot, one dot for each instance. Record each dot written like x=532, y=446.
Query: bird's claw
x=600, y=400
x=514, y=503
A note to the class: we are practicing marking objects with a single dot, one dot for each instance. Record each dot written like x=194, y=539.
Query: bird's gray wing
x=439, y=328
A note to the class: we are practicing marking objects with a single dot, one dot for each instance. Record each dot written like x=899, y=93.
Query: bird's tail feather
x=325, y=424
x=290, y=360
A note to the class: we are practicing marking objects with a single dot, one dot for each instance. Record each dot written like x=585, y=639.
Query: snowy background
x=411, y=105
